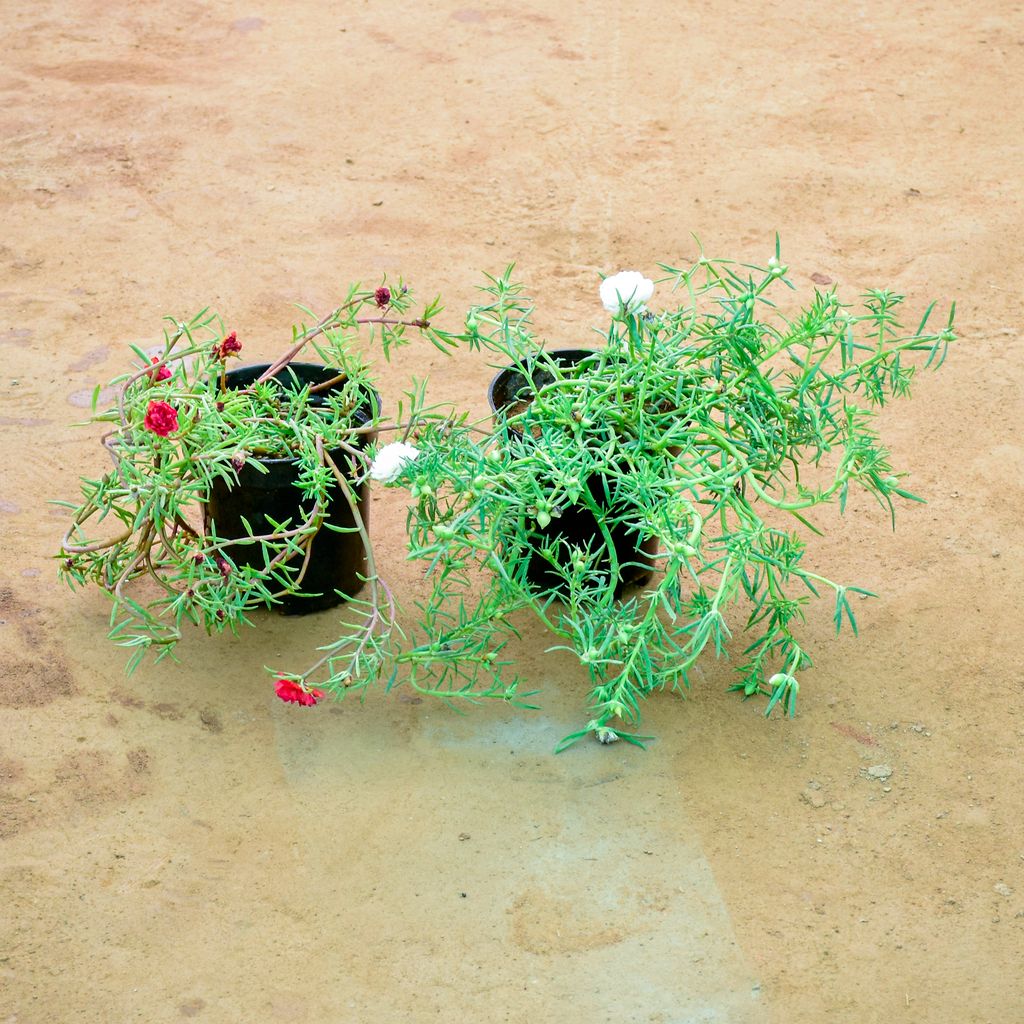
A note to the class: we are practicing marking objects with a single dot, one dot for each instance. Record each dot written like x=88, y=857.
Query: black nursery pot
x=337, y=561
x=576, y=526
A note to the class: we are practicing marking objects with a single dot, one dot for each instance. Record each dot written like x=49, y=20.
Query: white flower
x=629, y=289
x=391, y=460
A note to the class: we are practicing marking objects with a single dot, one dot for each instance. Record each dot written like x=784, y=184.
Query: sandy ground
x=181, y=845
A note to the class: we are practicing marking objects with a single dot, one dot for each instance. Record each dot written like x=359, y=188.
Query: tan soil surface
x=180, y=845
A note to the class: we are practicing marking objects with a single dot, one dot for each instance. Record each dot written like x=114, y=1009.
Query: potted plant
x=629, y=496
x=234, y=489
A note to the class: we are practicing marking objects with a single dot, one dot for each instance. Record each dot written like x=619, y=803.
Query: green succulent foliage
x=707, y=432
x=692, y=444
x=139, y=532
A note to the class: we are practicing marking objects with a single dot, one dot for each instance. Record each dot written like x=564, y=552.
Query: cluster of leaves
x=629, y=497
x=145, y=517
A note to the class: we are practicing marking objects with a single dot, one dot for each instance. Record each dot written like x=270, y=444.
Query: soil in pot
x=336, y=566
x=510, y=394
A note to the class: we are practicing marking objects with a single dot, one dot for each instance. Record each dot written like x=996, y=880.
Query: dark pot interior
x=577, y=525
x=337, y=561
x=511, y=385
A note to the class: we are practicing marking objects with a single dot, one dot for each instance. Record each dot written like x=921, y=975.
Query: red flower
x=230, y=346
x=383, y=296
x=161, y=418
x=160, y=374
x=291, y=693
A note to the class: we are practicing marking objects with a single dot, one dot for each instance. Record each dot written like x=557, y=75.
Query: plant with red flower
x=158, y=513
x=161, y=418
x=230, y=346
x=292, y=693
x=159, y=373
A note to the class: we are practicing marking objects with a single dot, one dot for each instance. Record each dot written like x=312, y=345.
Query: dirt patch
x=32, y=672
x=27, y=683
x=546, y=924
x=90, y=779
x=10, y=770
x=139, y=760
x=15, y=816
x=211, y=721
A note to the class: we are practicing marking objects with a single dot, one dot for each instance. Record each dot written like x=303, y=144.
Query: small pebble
x=879, y=772
x=1002, y=889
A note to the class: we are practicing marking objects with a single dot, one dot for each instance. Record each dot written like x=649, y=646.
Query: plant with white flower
x=391, y=461
x=642, y=496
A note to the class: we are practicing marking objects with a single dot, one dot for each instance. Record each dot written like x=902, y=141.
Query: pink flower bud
x=230, y=346
x=159, y=374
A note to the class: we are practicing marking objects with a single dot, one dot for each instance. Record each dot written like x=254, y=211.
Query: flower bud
x=159, y=372
x=229, y=346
